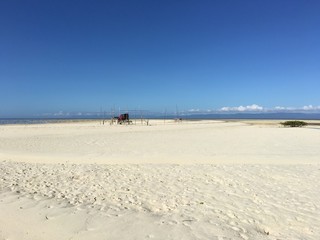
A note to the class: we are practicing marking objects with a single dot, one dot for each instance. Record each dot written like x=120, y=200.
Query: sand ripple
x=205, y=201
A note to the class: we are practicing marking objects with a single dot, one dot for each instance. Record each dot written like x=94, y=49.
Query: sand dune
x=194, y=180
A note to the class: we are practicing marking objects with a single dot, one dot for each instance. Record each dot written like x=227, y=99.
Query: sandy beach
x=166, y=180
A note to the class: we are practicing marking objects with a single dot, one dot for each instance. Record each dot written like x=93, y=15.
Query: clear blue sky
x=82, y=55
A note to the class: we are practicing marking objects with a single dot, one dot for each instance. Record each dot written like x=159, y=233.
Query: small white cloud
x=255, y=107
x=249, y=108
x=311, y=108
x=307, y=108
x=194, y=110
x=241, y=108
x=60, y=113
x=284, y=109
x=225, y=109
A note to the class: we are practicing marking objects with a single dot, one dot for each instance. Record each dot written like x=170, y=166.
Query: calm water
x=6, y=121
x=257, y=116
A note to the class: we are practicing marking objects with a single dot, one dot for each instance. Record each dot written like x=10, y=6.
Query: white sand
x=183, y=143
x=191, y=180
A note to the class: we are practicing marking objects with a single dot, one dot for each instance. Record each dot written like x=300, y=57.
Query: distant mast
x=177, y=112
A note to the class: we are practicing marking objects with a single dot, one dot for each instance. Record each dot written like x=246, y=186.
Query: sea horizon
x=210, y=116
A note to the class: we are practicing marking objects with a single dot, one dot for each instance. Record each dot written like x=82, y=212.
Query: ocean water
x=256, y=116
x=9, y=121
x=6, y=121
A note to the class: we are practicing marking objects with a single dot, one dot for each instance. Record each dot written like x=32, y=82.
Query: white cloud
x=307, y=108
x=249, y=108
x=311, y=108
x=193, y=110
x=257, y=108
x=280, y=108
x=60, y=113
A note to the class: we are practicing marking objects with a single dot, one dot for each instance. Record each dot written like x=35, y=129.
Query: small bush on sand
x=294, y=124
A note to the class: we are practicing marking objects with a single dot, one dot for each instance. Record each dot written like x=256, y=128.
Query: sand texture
x=191, y=180
x=181, y=143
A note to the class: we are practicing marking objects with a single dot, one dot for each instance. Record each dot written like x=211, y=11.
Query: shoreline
x=31, y=121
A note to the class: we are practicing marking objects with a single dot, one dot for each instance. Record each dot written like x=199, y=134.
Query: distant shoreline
x=251, y=121
x=159, y=116
x=17, y=121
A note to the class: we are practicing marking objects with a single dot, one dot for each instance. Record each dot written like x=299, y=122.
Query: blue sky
x=79, y=56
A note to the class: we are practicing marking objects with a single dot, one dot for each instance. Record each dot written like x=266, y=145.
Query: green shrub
x=294, y=124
